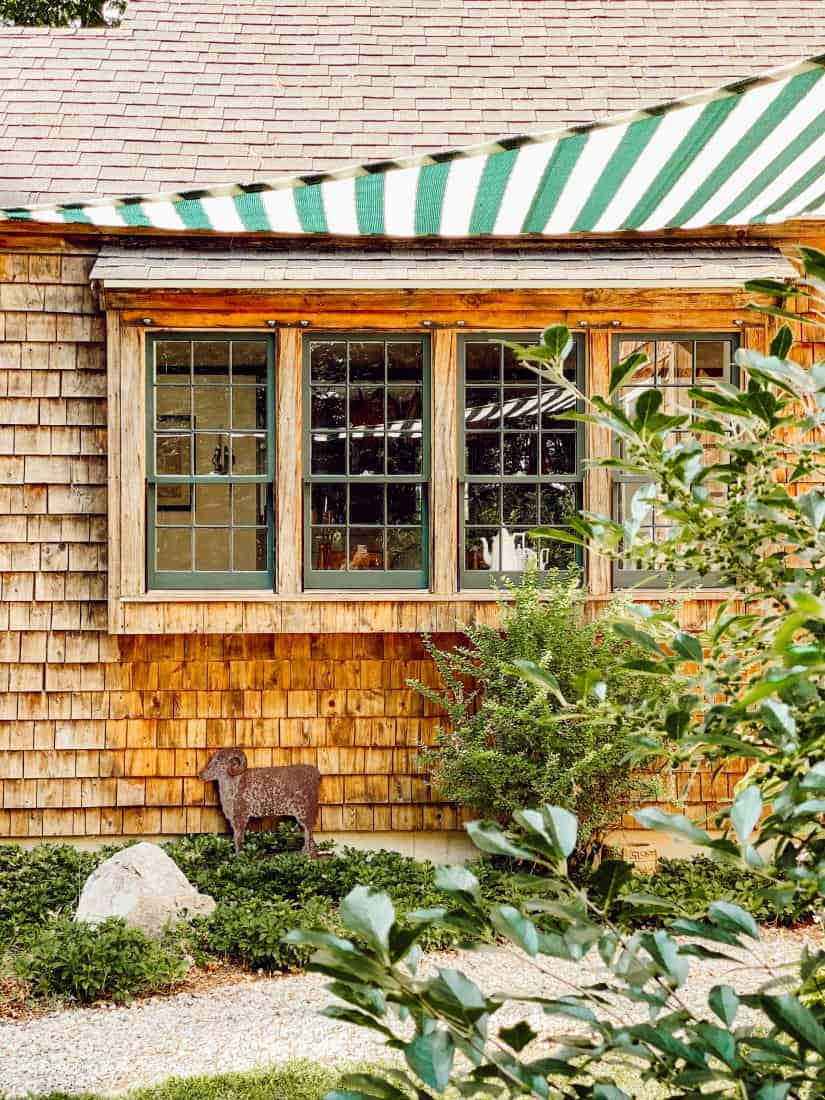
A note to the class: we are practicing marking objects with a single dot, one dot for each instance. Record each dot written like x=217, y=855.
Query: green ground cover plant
x=749, y=510
x=509, y=743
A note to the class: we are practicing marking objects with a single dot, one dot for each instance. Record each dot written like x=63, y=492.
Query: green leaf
x=782, y=342
x=558, y=341
x=370, y=1084
x=812, y=506
x=652, y=818
x=639, y=637
x=773, y=1090
x=623, y=370
x=603, y=1091
x=562, y=828
x=733, y=917
x=371, y=913
x=457, y=880
x=720, y=1042
x=688, y=646
x=431, y=1057
x=518, y=1036
x=724, y=1002
x=608, y=880
x=745, y=812
x=539, y=677
x=510, y=922
x=792, y=1017
x=488, y=837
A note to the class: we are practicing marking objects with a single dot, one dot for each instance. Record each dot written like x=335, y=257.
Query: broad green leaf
x=558, y=341
x=745, y=812
x=487, y=836
x=624, y=370
x=562, y=828
x=457, y=879
x=370, y=1084
x=792, y=1017
x=431, y=1057
x=724, y=1002
x=608, y=881
x=812, y=506
x=639, y=637
x=782, y=342
x=773, y=1090
x=371, y=913
x=688, y=646
x=510, y=922
x=733, y=917
x=539, y=677
x=518, y=1036
x=602, y=1090
x=652, y=818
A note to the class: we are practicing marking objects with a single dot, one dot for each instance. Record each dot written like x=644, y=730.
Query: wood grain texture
x=598, y=484
x=288, y=465
x=114, y=527
x=444, y=502
x=132, y=462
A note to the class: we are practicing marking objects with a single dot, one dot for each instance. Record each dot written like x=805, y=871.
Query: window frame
x=471, y=580
x=407, y=580
x=201, y=580
x=623, y=579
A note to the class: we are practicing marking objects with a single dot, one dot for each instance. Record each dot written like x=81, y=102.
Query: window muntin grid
x=210, y=460
x=676, y=361
x=521, y=461
x=366, y=455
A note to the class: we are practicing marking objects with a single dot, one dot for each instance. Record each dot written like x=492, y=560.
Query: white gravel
x=249, y=1025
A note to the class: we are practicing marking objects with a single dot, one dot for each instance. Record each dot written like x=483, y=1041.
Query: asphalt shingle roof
x=195, y=92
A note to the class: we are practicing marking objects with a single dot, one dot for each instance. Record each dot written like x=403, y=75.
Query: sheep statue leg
x=309, y=843
x=238, y=833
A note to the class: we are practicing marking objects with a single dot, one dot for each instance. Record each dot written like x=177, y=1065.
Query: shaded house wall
x=103, y=736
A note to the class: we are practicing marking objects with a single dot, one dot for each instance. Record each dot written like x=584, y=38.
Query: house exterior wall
x=103, y=735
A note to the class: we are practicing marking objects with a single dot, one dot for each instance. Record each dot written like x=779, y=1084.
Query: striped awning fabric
x=750, y=153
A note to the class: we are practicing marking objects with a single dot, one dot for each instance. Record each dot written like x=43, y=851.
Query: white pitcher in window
x=515, y=554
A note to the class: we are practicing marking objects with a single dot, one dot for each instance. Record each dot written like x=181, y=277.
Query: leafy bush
x=510, y=743
x=65, y=959
x=38, y=883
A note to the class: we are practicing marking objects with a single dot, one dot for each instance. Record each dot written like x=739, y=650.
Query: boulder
x=142, y=885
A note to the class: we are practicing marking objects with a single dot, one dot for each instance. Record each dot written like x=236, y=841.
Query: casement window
x=210, y=448
x=366, y=461
x=520, y=462
x=676, y=361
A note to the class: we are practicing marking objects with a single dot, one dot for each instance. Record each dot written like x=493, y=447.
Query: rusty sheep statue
x=246, y=793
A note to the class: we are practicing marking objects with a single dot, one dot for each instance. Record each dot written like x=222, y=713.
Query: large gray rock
x=142, y=885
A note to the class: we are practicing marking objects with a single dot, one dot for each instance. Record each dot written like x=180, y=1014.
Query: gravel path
x=253, y=1024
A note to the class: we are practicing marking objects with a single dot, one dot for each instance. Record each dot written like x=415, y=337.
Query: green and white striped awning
x=750, y=153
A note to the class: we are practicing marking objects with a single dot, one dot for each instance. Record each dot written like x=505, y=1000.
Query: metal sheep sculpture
x=248, y=793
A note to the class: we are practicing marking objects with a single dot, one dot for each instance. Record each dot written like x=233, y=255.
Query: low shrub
x=39, y=883
x=64, y=959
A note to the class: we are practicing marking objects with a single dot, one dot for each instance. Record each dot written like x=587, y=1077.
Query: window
x=210, y=461
x=675, y=362
x=521, y=464
x=366, y=460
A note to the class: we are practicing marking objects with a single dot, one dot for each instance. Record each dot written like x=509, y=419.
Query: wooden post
x=288, y=462
x=598, y=483
x=443, y=475
x=132, y=458
x=113, y=519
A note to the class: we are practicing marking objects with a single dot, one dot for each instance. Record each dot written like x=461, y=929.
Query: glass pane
x=570, y=365
x=644, y=373
x=328, y=362
x=249, y=361
x=366, y=362
x=674, y=362
x=329, y=504
x=519, y=453
x=520, y=407
x=329, y=454
x=172, y=408
x=211, y=407
x=366, y=548
x=329, y=407
x=249, y=548
x=248, y=407
x=210, y=361
x=249, y=454
x=550, y=554
x=174, y=548
x=553, y=404
x=249, y=504
x=403, y=504
x=173, y=454
x=173, y=504
x=520, y=504
x=404, y=454
x=404, y=550
x=483, y=361
x=212, y=548
x=366, y=407
x=481, y=548
x=329, y=549
x=483, y=452
x=403, y=408
x=712, y=359
x=211, y=504
x=514, y=371
x=557, y=502
x=212, y=454
x=558, y=453
x=366, y=504
x=172, y=361
x=405, y=362
x=482, y=504
x=366, y=455
x=482, y=408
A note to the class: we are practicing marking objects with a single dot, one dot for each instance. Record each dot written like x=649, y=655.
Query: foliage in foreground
x=752, y=687
x=61, y=13
x=509, y=743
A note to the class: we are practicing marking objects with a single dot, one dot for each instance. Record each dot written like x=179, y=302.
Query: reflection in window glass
x=366, y=506
x=210, y=486
x=675, y=363
x=522, y=465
